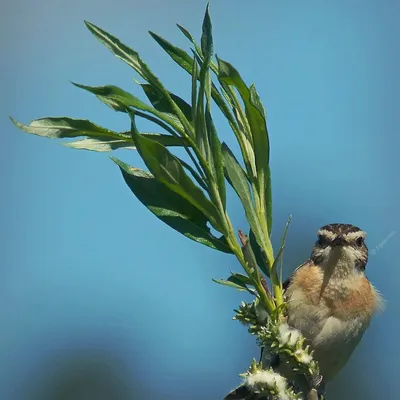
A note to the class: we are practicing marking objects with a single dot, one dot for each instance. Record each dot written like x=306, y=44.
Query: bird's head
x=341, y=246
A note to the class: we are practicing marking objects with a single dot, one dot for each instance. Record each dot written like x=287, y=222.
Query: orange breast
x=344, y=300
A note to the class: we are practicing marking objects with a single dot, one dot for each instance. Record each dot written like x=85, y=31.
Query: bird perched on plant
x=329, y=300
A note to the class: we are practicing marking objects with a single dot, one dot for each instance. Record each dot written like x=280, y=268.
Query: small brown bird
x=329, y=300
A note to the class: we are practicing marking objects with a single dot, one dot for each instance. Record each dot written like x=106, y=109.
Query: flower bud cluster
x=268, y=384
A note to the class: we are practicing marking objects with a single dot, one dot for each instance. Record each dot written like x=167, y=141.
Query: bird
x=329, y=300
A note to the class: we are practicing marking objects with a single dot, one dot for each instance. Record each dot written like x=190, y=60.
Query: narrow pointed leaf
x=213, y=141
x=276, y=261
x=168, y=170
x=254, y=110
x=195, y=174
x=96, y=138
x=103, y=145
x=192, y=40
x=194, y=90
x=158, y=85
x=120, y=50
x=256, y=117
x=186, y=33
x=259, y=254
x=229, y=75
x=258, y=122
x=178, y=55
x=206, y=37
x=242, y=278
x=268, y=199
x=249, y=255
x=237, y=178
x=283, y=243
x=200, y=123
x=120, y=100
x=218, y=162
x=65, y=127
x=239, y=286
x=185, y=61
x=170, y=207
x=160, y=103
x=132, y=58
x=236, y=282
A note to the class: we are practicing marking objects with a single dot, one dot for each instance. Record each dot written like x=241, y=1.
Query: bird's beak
x=339, y=241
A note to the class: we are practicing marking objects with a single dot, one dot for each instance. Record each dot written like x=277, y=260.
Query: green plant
x=191, y=196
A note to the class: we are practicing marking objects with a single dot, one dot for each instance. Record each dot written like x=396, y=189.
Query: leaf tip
x=16, y=123
x=89, y=25
x=117, y=161
x=155, y=36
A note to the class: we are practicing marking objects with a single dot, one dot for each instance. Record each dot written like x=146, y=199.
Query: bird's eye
x=359, y=241
x=321, y=240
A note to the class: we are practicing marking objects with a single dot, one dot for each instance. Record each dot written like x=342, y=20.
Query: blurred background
x=98, y=299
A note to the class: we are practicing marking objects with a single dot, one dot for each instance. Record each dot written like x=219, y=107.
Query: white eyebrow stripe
x=355, y=235
x=328, y=234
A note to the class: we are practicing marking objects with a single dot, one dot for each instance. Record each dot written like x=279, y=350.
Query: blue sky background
x=93, y=287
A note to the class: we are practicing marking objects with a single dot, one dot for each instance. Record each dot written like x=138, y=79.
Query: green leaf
x=212, y=143
x=195, y=174
x=158, y=85
x=65, y=127
x=280, y=253
x=160, y=103
x=120, y=50
x=96, y=138
x=256, y=117
x=216, y=151
x=206, y=37
x=120, y=100
x=103, y=145
x=185, y=61
x=186, y=33
x=180, y=56
x=197, y=48
x=168, y=170
x=239, y=286
x=170, y=207
x=255, y=111
x=200, y=123
x=268, y=199
x=249, y=256
x=242, y=278
x=132, y=58
x=238, y=179
x=236, y=281
x=275, y=263
x=194, y=90
x=259, y=254
x=229, y=75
